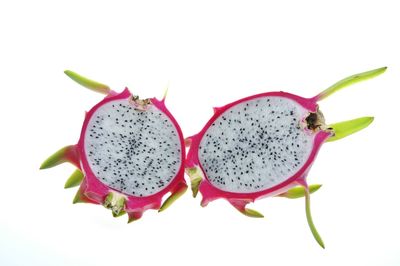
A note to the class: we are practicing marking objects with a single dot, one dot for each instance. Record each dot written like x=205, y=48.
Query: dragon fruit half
x=264, y=145
x=130, y=153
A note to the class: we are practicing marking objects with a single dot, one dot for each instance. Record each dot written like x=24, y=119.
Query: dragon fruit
x=264, y=145
x=130, y=154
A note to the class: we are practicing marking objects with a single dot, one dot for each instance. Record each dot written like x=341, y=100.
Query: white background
x=210, y=53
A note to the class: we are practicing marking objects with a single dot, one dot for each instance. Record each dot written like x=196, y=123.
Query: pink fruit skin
x=96, y=191
x=239, y=200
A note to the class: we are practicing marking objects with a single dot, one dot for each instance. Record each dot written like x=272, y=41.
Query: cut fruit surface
x=130, y=153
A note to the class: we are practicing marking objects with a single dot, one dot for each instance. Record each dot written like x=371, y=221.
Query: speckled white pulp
x=135, y=152
x=255, y=145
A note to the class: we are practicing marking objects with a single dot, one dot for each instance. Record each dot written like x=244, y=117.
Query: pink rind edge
x=97, y=191
x=210, y=192
x=72, y=156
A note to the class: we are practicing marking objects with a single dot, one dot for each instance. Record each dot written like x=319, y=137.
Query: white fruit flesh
x=135, y=152
x=256, y=144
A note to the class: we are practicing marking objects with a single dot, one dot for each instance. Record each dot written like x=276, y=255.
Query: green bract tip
x=310, y=220
x=349, y=81
x=61, y=156
x=252, y=213
x=88, y=83
x=346, y=128
x=173, y=197
x=78, y=197
x=75, y=179
x=299, y=191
